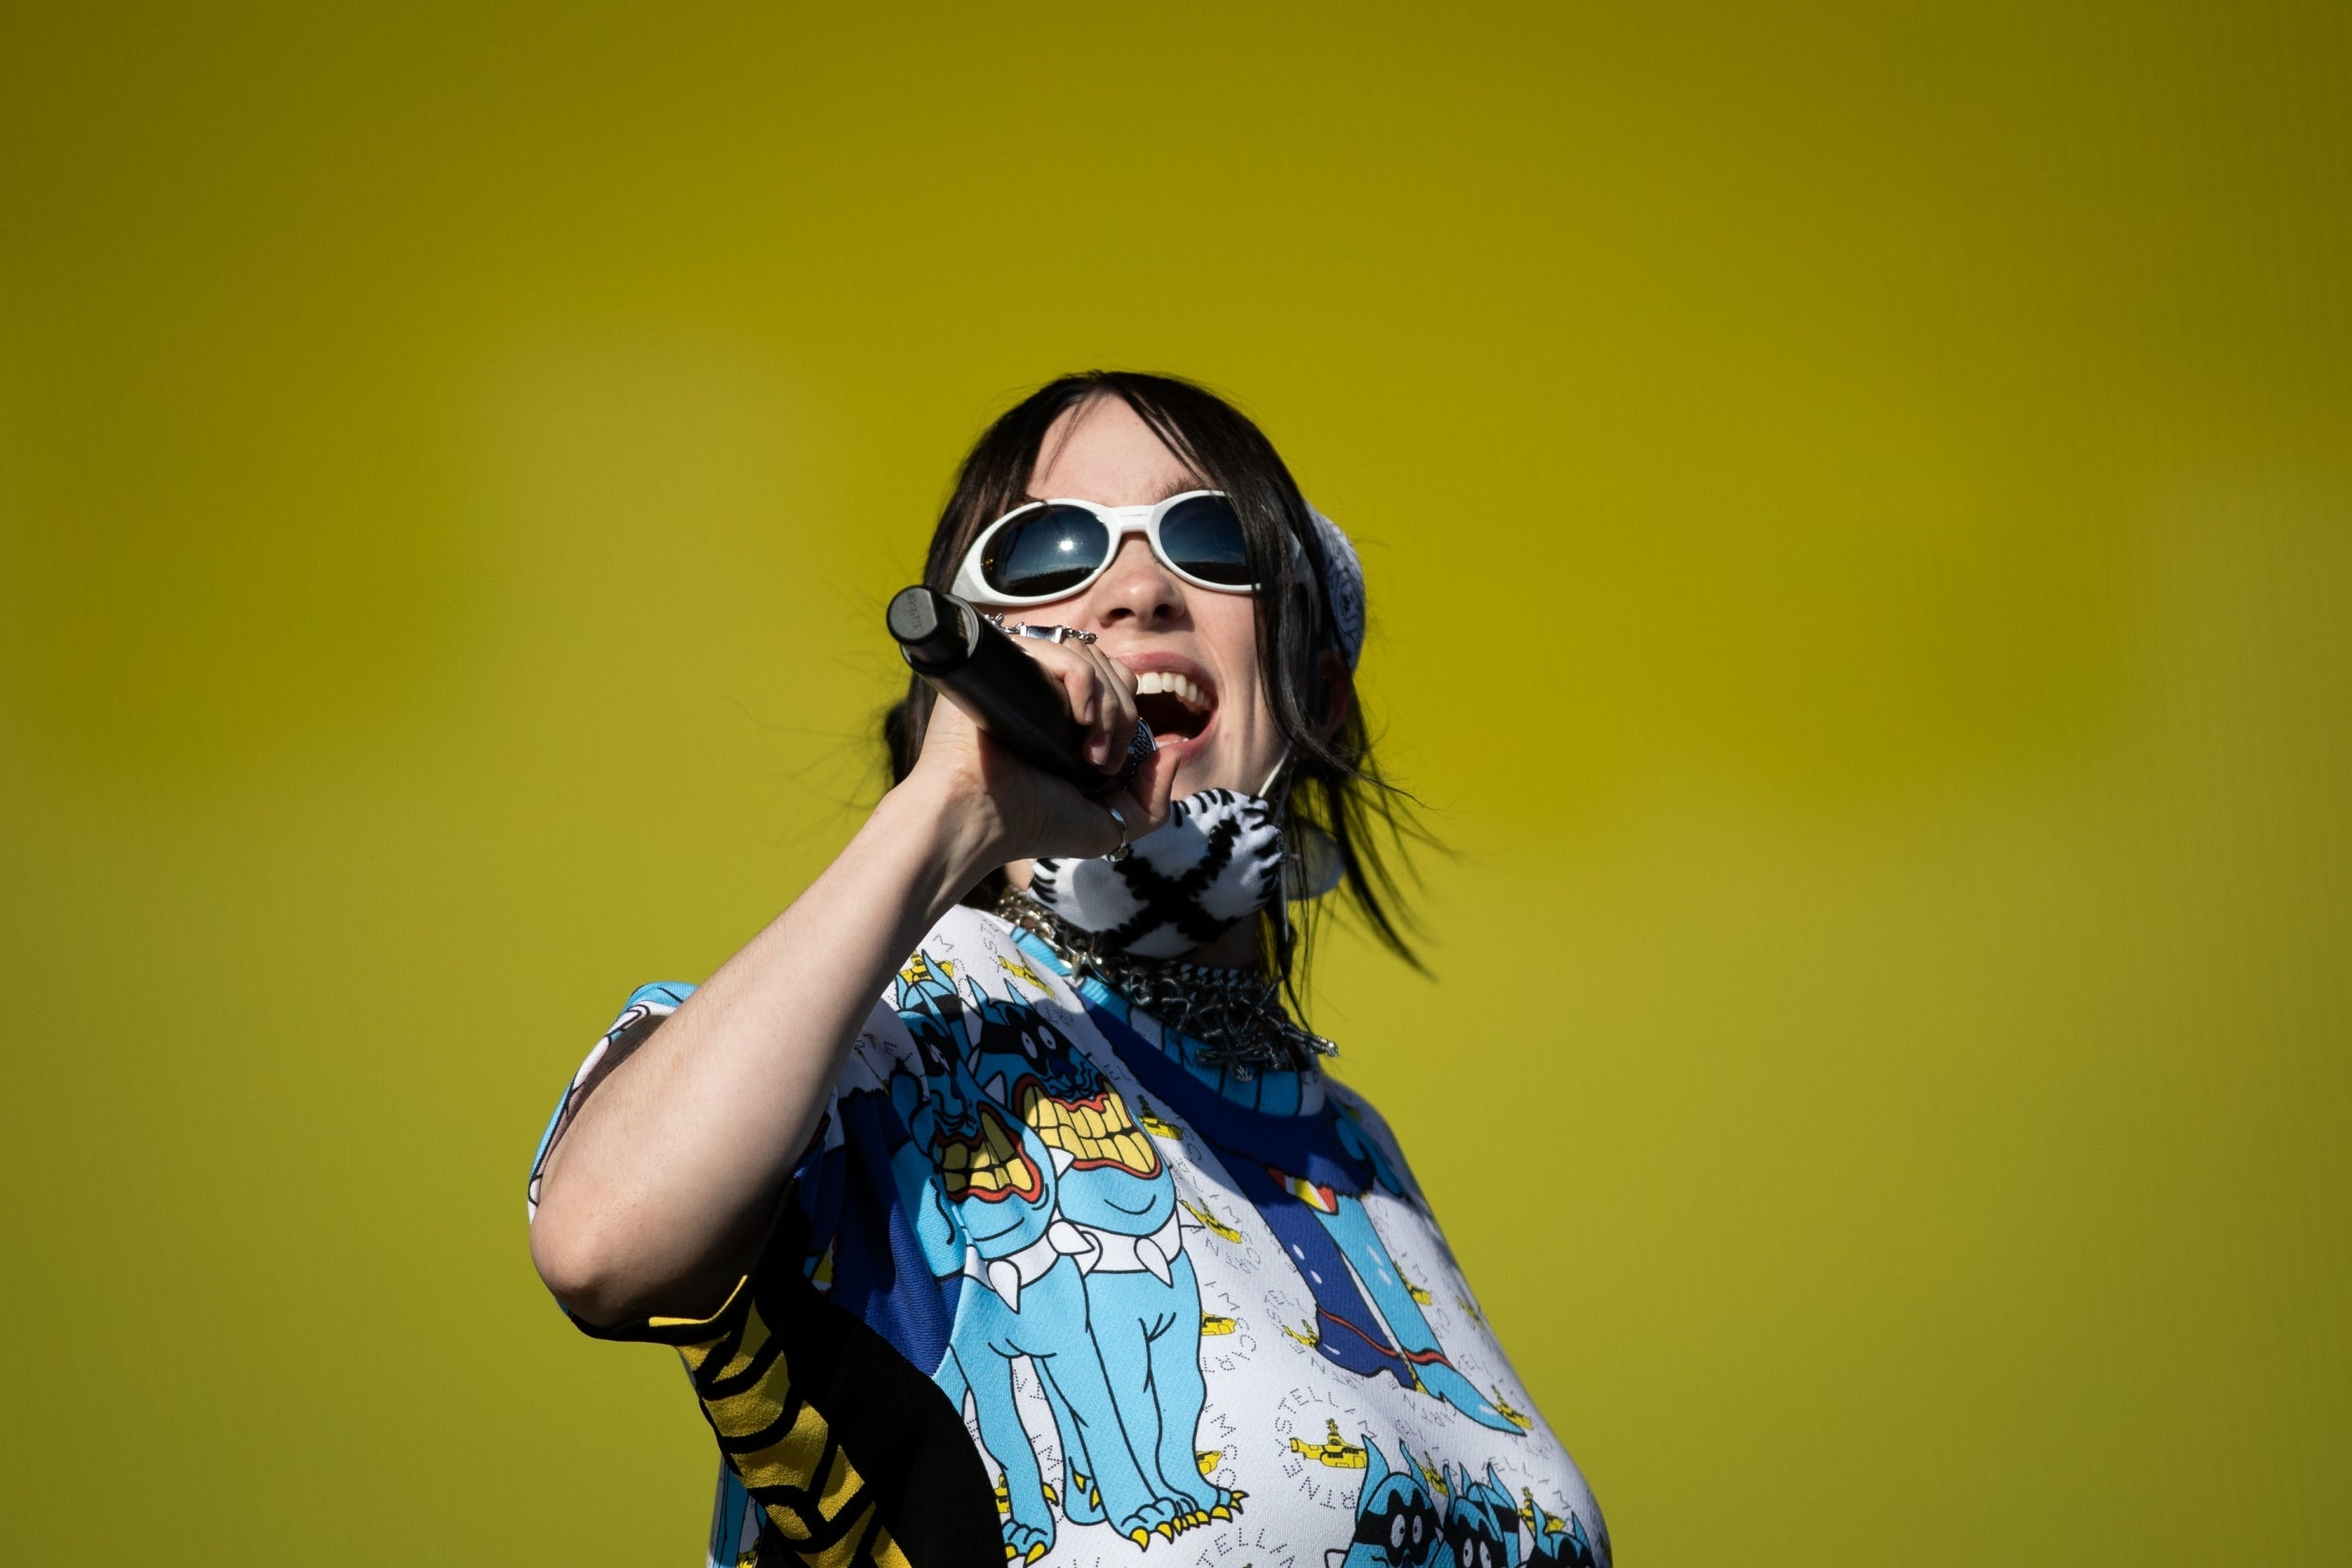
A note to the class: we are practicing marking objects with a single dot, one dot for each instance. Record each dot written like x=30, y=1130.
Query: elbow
x=607, y=1275
x=581, y=1268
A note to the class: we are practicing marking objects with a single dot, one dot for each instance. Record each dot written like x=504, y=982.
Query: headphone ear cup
x=1316, y=868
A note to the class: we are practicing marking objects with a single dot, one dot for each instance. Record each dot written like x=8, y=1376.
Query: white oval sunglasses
x=1051, y=549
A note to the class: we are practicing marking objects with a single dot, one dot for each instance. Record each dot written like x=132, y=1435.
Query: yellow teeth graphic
x=1097, y=1132
x=1333, y=1450
x=990, y=1166
x=1216, y=1227
x=1211, y=1324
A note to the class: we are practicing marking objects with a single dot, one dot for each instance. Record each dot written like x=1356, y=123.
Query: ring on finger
x=1124, y=849
x=1046, y=634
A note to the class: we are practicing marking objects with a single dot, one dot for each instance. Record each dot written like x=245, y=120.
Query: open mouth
x=989, y=1165
x=1173, y=704
x=1095, y=1131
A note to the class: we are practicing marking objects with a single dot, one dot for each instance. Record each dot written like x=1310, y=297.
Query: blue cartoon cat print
x=1029, y=1177
x=1397, y=1523
x=1132, y=1303
x=1400, y=1523
x=1340, y=1257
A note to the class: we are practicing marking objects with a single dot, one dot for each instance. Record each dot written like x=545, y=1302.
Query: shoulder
x=1362, y=1124
x=647, y=1006
x=1350, y=1105
x=638, y=1017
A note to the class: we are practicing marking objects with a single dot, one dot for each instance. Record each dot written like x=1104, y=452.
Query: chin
x=1195, y=769
x=1200, y=768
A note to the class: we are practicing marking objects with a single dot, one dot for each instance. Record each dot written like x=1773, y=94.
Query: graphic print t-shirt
x=1047, y=1289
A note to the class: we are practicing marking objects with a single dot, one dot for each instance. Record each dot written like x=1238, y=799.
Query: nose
x=1138, y=590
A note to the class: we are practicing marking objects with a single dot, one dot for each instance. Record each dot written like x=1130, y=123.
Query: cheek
x=1227, y=624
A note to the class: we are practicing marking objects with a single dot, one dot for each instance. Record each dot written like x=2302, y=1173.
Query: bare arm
x=659, y=1193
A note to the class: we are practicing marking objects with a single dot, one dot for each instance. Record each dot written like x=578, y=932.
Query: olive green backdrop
x=1859, y=520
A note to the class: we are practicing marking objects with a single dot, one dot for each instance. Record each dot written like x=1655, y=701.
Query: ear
x=1336, y=684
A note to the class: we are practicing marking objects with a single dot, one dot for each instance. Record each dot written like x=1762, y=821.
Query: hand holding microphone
x=1055, y=703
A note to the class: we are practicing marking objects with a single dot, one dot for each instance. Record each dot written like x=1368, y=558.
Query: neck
x=1236, y=949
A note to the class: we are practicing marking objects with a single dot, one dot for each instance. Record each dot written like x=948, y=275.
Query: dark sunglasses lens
x=1050, y=550
x=1202, y=537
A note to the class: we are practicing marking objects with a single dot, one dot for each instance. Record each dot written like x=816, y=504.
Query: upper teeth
x=1173, y=684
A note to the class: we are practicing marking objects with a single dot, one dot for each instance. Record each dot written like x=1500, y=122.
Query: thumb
x=1154, y=782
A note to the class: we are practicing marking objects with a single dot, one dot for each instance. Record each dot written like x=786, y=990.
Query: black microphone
x=974, y=665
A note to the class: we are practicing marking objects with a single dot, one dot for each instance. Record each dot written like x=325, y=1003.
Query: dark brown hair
x=1334, y=787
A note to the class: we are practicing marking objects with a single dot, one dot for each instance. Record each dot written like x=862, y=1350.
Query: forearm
x=666, y=1180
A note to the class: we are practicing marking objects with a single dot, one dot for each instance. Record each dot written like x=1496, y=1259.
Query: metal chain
x=1234, y=1015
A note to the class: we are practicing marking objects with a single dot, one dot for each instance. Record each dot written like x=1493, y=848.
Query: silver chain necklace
x=1234, y=1015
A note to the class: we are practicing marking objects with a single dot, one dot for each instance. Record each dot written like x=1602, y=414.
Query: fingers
x=1129, y=813
x=1144, y=802
x=1099, y=691
x=1118, y=719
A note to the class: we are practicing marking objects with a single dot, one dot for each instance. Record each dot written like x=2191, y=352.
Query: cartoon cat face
x=1015, y=1042
x=1479, y=1539
x=993, y=1173
x=1397, y=1519
x=1029, y=1067
x=1563, y=1543
x=1491, y=1493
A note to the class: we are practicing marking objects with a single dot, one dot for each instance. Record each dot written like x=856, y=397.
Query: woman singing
x=999, y=1206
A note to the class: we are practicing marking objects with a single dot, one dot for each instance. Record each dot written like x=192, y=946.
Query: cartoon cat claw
x=1157, y=1516
x=1085, y=1507
x=1025, y=1543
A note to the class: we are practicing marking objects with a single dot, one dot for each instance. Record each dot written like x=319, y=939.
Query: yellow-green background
x=1859, y=521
